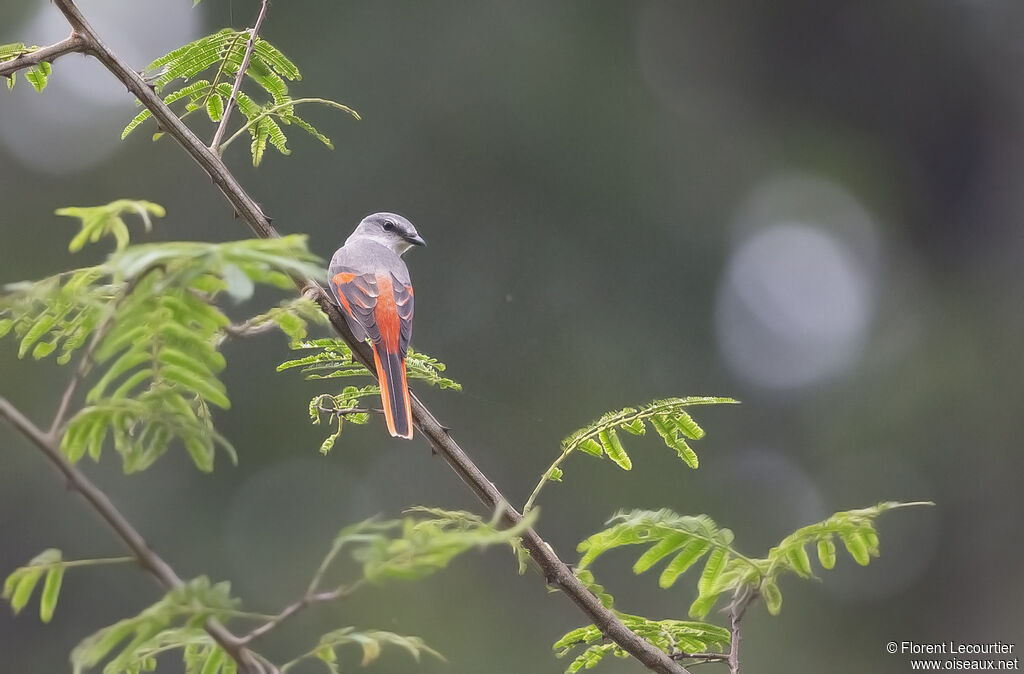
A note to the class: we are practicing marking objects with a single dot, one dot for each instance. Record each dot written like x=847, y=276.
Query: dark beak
x=416, y=240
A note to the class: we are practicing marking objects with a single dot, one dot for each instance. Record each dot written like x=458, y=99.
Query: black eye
x=389, y=226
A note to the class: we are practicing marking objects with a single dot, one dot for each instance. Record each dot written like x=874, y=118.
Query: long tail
x=394, y=391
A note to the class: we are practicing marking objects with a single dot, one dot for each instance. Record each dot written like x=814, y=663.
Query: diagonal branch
x=542, y=555
x=149, y=560
x=73, y=43
x=218, y=136
x=736, y=612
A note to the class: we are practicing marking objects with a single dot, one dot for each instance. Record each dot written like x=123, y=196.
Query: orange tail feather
x=394, y=392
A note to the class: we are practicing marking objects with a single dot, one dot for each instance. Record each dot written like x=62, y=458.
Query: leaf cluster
x=372, y=642
x=667, y=416
x=62, y=311
x=675, y=637
x=57, y=314
x=36, y=75
x=333, y=359
x=409, y=548
x=108, y=220
x=222, y=54
x=151, y=317
x=174, y=622
x=686, y=541
x=22, y=582
x=412, y=548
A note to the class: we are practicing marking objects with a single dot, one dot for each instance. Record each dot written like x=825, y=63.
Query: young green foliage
x=161, y=352
x=333, y=360
x=107, y=220
x=412, y=548
x=371, y=642
x=22, y=582
x=156, y=331
x=667, y=416
x=57, y=314
x=49, y=566
x=36, y=75
x=675, y=637
x=169, y=624
x=685, y=541
x=688, y=540
x=222, y=53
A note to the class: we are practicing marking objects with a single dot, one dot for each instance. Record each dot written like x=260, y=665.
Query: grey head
x=389, y=230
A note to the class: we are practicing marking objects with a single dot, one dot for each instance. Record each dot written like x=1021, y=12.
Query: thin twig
x=287, y=104
x=337, y=411
x=709, y=656
x=71, y=44
x=249, y=328
x=218, y=136
x=147, y=558
x=294, y=608
x=72, y=563
x=543, y=557
x=736, y=612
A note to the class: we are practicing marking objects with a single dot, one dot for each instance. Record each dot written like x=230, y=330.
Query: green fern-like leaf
x=668, y=417
x=601, y=438
x=854, y=528
x=689, y=539
x=686, y=539
x=332, y=359
x=222, y=54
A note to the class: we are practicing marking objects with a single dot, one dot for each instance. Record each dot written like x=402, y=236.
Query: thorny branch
x=543, y=557
x=73, y=43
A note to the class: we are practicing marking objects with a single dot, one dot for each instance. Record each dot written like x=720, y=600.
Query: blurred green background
x=812, y=207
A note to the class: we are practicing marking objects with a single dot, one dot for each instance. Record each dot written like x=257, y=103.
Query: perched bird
x=371, y=284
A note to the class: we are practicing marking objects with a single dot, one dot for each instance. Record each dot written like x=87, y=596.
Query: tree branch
x=218, y=136
x=73, y=43
x=553, y=569
x=146, y=557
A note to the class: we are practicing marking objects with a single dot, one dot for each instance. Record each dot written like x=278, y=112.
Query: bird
x=371, y=284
